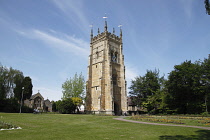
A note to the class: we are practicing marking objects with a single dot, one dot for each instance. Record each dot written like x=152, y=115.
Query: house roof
x=47, y=100
x=36, y=95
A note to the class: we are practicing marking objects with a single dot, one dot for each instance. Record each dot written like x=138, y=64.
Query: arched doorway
x=37, y=102
x=116, y=109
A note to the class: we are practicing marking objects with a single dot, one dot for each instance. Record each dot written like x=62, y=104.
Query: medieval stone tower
x=106, y=85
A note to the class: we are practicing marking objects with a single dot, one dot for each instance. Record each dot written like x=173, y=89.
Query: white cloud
x=188, y=7
x=74, y=10
x=130, y=72
x=64, y=42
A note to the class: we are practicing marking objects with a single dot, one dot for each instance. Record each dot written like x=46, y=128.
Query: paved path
x=122, y=119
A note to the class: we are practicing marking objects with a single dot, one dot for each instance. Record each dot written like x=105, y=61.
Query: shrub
x=4, y=125
x=66, y=106
x=12, y=106
x=205, y=114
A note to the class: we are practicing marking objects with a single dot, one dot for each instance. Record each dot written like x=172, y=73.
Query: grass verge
x=90, y=127
x=186, y=120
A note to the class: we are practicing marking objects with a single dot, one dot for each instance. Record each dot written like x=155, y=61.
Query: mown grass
x=185, y=120
x=90, y=127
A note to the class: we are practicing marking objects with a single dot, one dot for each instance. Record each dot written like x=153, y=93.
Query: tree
x=9, y=79
x=27, y=84
x=66, y=106
x=145, y=89
x=74, y=87
x=185, y=88
x=11, y=83
x=206, y=81
x=18, y=81
x=54, y=106
x=3, y=73
x=77, y=102
x=207, y=6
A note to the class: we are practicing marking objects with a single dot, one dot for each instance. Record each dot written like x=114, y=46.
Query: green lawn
x=90, y=127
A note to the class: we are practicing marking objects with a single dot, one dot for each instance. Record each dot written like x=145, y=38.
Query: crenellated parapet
x=104, y=36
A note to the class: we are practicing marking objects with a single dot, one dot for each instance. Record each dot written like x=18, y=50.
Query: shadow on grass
x=201, y=135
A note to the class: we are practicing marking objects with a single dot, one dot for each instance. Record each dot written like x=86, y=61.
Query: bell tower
x=106, y=85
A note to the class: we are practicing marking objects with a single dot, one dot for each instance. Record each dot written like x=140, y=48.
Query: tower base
x=100, y=112
x=106, y=113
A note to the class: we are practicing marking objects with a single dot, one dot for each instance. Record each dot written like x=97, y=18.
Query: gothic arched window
x=114, y=79
x=114, y=57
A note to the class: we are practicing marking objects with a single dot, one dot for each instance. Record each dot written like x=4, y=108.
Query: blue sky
x=48, y=40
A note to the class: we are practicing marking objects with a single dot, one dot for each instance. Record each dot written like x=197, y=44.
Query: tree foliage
x=186, y=91
x=74, y=87
x=66, y=106
x=76, y=101
x=54, y=106
x=206, y=81
x=27, y=84
x=11, y=83
x=73, y=91
x=185, y=88
x=10, y=78
x=144, y=86
x=146, y=89
x=189, y=87
x=3, y=75
x=207, y=6
x=18, y=86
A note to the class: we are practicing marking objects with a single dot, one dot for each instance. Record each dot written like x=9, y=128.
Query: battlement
x=106, y=35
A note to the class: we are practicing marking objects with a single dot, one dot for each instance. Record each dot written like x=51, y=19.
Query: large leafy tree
x=27, y=84
x=144, y=86
x=23, y=86
x=146, y=90
x=18, y=86
x=206, y=81
x=185, y=88
x=10, y=82
x=53, y=106
x=74, y=87
x=3, y=74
